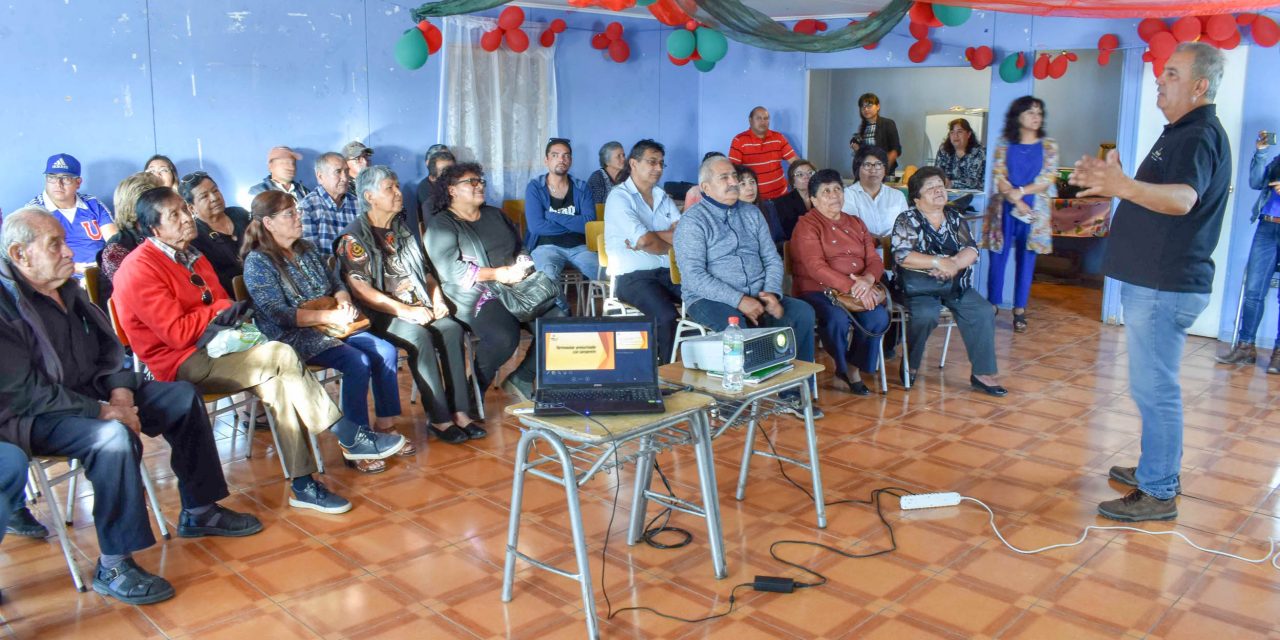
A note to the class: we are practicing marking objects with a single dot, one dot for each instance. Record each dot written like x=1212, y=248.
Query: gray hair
x=1208, y=64
x=705, y=171
x=19, y=228
x=369, y=179
x=327, y=157
x=608, y=149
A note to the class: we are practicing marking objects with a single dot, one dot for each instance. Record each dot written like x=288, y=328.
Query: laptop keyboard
x=555, y=397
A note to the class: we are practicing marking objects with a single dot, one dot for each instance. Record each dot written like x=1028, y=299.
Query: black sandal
x=1020, y=322
x=453, y=435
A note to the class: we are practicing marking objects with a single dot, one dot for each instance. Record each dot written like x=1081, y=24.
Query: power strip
x=929, y=500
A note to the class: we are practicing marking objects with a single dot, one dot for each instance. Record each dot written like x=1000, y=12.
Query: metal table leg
x=748, y=449
x=815, y=469
x=710, y=494
x=639, y=495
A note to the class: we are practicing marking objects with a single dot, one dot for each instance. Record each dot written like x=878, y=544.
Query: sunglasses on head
x=206, y=296
x=194, y=178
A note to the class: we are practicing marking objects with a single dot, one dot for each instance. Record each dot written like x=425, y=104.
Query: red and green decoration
x=701, y=45
x=417, y=44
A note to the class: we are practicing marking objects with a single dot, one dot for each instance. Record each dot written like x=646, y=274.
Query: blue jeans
x=834, y=323
x=551, y=260
x=13, y=478
x=796, y=314
x=1015, y=242
x=1155, y=328
x=1257, y=278
x=361, y=358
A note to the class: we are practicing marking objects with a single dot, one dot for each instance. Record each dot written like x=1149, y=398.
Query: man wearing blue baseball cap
x=87, y=221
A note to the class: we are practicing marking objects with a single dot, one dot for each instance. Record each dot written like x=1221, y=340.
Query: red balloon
x=918, y=31
x=620, y=51
x=668, y=12
x=1186, y=29
x=808, y=26
x=1147, y=57
x=982, y=57
x=1104, y=57
x=1058, y=67
x=434, y=39
x=1157, y=66
x=1150, y=27
x=1265, y=31
x=679, y=62
x=511, y=18
x=920, y=50
x=600, y=41
x=968, y=53
x=614, y=31
x=491, y=40
x=1040, y=70
x=517, y=40
x=558, y=26
x=1108, y=42
x=1232, y=41
x=1071, y=55
x=547, y=38
x=1246, y=19
x=691, y=25
x=1219, y=27
x=922, y=12
x=1162, y=45
x=1022, y=60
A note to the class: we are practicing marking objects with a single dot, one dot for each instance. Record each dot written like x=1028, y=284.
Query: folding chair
x=684, y=324
x=39, y=474
x=900, y=315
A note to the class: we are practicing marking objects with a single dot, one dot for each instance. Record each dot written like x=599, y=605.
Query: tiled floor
x=420, y=556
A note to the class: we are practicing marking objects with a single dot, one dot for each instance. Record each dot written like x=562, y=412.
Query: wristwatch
x=936, y=264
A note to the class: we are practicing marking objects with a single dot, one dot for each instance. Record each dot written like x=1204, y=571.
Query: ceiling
x=776, y=9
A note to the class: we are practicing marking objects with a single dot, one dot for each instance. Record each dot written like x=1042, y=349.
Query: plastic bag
x=241, y=338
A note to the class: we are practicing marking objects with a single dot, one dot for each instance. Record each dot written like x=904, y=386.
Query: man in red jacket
x=167, y=298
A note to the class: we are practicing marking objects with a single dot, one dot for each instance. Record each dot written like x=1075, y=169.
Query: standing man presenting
x=763, y=150
x=1162, y=236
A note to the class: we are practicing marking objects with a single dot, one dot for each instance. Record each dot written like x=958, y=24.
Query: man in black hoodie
x=63, y=393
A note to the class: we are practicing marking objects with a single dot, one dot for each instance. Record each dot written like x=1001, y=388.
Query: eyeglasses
x=474, y=183
x=655, y=163
x=192, y=179
x=563, y=141
x=805, y=174
x=289, y=213
x=873, y=166
x=159, y=169
x=206, y=296
x=60, y=179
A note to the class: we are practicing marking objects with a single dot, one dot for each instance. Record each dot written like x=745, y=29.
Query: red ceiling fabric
x=1114, y=8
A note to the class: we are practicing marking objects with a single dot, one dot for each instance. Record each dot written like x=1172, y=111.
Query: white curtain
x=500, y=107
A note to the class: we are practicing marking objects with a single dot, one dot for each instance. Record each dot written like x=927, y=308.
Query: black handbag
x=919, y=283
x=529, y=298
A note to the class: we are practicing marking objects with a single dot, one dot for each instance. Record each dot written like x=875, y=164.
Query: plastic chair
x=515, y=212
x=684, y=323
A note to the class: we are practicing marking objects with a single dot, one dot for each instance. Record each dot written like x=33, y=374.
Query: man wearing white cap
x=87, y=222
x=282, y=163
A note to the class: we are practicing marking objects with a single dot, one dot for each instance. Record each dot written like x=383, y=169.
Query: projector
x=762, y=348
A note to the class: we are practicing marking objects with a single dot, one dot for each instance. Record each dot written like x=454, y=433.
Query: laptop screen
x=595, y=351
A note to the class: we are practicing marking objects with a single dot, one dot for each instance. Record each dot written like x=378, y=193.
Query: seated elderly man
x=85, y=220
x=63, y=393
x=170, y=304
x=328, y=209
x=282, y=168
x=729, y=265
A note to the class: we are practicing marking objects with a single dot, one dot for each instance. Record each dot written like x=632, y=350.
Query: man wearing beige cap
x=282, y=163
x=357, y=156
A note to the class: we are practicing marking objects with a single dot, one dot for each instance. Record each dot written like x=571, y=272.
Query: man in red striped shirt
x=763, y=150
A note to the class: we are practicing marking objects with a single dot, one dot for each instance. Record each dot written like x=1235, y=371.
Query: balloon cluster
x=508, y=29
x=548, y=37
x=1221, y=31
x=1053, y=67
x=809, y=26
x=980, y=57
x=1106, y=44
x=611, y=40
x=925, y=16
x=702, y=45
x=416, y=44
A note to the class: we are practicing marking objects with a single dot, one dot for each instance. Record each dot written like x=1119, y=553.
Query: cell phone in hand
x=1268, y=137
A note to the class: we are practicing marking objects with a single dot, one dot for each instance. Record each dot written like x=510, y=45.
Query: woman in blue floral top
x=282, y=271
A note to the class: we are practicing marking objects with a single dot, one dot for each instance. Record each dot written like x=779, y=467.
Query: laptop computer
x=602, y=365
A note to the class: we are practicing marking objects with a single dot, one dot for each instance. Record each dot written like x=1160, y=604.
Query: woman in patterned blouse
x=962, y=157
x=931, y=239
x=282, y=271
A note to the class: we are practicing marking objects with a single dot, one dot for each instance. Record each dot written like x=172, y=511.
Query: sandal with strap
x=367, y=466
x=409, y=448
x=1020, y=322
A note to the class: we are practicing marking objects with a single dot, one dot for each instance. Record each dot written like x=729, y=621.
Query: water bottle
x=731, y=343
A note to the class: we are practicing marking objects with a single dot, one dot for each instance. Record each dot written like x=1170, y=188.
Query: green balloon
x=680, y=44
x=645, y=3
x=712, y=44
x=411, y=50
x=951, y=16
x=704, y=65
x=1009, y=71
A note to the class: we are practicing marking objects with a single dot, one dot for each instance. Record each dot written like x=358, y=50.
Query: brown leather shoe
x=1243, y=353
x=1274, y=367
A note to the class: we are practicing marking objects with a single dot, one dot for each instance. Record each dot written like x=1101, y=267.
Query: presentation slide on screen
x=590, y=351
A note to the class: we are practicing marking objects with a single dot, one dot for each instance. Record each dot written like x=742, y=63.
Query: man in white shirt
x=869, y=199
x=639, y=222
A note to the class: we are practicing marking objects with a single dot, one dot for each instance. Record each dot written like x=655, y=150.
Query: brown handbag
x=339, y=331
x=852, y=303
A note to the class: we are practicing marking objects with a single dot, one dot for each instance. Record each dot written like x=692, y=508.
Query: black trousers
x=975, y=319
x=652, y=292
x=110, y=453
x=437, y=359
x=499, y=334
x=13, y=479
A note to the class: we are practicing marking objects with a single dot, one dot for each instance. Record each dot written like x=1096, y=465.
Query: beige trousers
x=273, y=372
